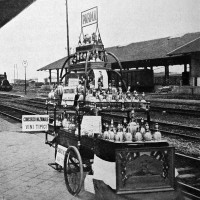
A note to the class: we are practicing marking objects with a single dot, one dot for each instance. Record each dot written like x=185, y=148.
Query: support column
x=185, y=76
x=50, y=76
x=185, y=67
x=58, y=77
x=190, y=75
x=166, y=81
x=195, y=70
x=66, y=72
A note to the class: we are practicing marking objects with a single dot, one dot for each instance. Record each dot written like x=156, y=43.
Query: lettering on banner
x=35, y=122
x=89, y=17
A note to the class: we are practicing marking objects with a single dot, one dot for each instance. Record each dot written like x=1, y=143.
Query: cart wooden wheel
x=73, y=170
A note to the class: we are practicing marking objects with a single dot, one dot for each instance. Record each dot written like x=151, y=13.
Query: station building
x=169, y=51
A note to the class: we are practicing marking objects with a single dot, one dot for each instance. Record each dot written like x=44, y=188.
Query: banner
x=89, y=17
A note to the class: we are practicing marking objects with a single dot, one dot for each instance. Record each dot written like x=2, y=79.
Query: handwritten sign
x=60, y=155
x=89, y=17
x=35, y=122
x=68, y=95
x=91, y=125
x=73, y=82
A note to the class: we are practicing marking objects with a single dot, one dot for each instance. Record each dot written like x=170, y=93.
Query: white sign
x=35, y=122
x=60, y=155
x=73, y=82
x=91, y=125
x=68, y=96
x=89, y=17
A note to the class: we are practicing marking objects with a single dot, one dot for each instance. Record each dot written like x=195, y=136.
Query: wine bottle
x=111, y=132
x=157, y=134
x=128, y=135
x=105, y=134
x=133, y=124
x=147, y=135
x=142, y=127
x=138, y=135
x=119, y=135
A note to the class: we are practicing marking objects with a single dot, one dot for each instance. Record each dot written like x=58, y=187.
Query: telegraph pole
x=67, y=26
x=25, y=64
x=14, y=75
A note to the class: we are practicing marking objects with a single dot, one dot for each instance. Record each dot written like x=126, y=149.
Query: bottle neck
x=156, y=127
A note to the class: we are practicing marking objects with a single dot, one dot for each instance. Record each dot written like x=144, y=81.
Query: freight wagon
x=139, y=80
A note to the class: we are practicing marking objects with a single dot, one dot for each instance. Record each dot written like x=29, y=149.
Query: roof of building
x=55, y=65
x=141, y=51
x=11, y=8
x=190, y=47
x=152, y=49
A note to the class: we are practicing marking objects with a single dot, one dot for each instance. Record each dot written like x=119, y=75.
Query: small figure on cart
x=100, y=79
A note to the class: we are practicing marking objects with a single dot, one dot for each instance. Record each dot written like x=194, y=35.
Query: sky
x=38, y=35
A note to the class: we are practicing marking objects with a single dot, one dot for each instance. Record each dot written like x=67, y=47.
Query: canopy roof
x=146, y=53
x=11, y=8
x=191, y=47
x=55, y=65
x=152, y=49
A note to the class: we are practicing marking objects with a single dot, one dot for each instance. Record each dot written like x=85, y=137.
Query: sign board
x=89, y=17
x=35, y=122
x=60, y=155
x=68, y=96
x=73, y=82
x=91, y=125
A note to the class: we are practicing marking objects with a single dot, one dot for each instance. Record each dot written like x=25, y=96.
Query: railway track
x=180, y=111
x=184, y=131
x=189, y=175
x=35, y=104
x=167, y=128
x=13, y=112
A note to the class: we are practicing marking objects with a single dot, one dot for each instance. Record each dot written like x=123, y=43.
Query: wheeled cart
x=97, y=116
x=140, y=166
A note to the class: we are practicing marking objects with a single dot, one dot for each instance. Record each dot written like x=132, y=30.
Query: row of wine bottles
x=133, y=131
x=112, y=94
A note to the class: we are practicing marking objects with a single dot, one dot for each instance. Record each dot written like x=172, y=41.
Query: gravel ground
x=185, y=101
x=176, y=119
x=185, y=147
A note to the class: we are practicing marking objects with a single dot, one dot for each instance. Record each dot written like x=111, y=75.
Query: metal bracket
x=56, y=166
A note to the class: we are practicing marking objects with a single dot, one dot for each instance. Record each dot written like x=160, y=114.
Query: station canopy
x=191, y=47
x=149, y=53
x=11, y=8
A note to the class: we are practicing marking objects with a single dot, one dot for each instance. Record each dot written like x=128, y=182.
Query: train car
x=5, y=85
x=139, y=80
